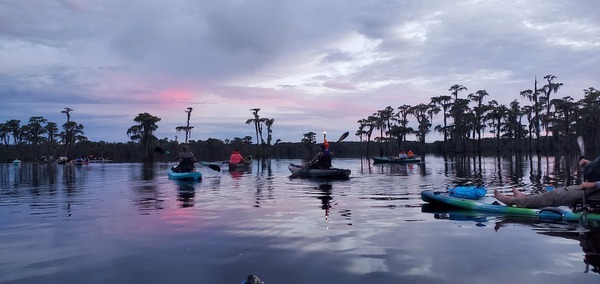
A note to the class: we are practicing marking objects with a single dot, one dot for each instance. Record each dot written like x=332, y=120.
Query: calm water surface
x=128, y=223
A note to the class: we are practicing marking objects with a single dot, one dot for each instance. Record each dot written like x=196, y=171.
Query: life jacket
x=324, y=161
x=235, y=158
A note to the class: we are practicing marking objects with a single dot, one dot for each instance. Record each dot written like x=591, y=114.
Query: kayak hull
x=193, y=175
x=333, y=173
x=239, y=166
x=395, y=160
x=485, y=205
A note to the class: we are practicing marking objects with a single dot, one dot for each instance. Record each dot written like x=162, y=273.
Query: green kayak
x=489, y=204
x=395, y=160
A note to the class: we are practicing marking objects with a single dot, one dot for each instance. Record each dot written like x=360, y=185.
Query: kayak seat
x=592, y=201
x=322, y=164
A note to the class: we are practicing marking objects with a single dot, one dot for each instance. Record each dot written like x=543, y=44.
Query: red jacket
x=235, y=158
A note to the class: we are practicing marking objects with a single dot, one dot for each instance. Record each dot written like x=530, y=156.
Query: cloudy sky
x=312, y=65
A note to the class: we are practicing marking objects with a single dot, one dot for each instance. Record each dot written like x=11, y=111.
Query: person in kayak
x=253, y=279
x=186, y=160
x=560, y=196
x=402, y=154
x=236, y=158
x=323, y=159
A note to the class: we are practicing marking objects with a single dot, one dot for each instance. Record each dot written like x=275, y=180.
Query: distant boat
x=395, y=160
x=241, y=166
x=62, y=160
x=333, y=173
x=17, y=162
x=100, y=160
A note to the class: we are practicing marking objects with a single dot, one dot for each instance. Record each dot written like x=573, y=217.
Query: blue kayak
x=193, y=175
x=489, y=204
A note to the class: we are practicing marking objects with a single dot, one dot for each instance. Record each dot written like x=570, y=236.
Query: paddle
x=581, y=155
x=581, y=146
x=342, y=137
x=211, y=166
x=160, y=150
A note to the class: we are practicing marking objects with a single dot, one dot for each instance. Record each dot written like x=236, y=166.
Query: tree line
x=41, y=136
x=548, y=126
x=40, y=140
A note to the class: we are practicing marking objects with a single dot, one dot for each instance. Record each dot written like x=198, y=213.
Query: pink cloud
x=339, y=85
x=175, y=96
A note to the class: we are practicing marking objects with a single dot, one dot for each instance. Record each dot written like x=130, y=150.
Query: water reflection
x=263, y=181
x=131, y=216
x=236, y=174
x=239, y=172
x=365, y=165
x=186, y=191
x=148, y=197
x=325, y=197
x=589, y=239
x=148, y=171
x=402, y=169
x=590, y=244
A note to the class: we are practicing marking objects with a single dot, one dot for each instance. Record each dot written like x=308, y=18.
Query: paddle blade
x=581, y=146
x=212, y=167
x=343, y=136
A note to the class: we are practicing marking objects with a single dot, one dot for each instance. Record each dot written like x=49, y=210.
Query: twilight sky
x=312, y=65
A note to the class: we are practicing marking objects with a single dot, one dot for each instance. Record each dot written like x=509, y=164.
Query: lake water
x=128, y=223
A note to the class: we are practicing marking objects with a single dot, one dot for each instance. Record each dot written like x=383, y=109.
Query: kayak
x=489, y=204
x=395, y=160
x=497, y=220
x=193, y=175
x=333, y=173
x=78, y=161
x=241, y=166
